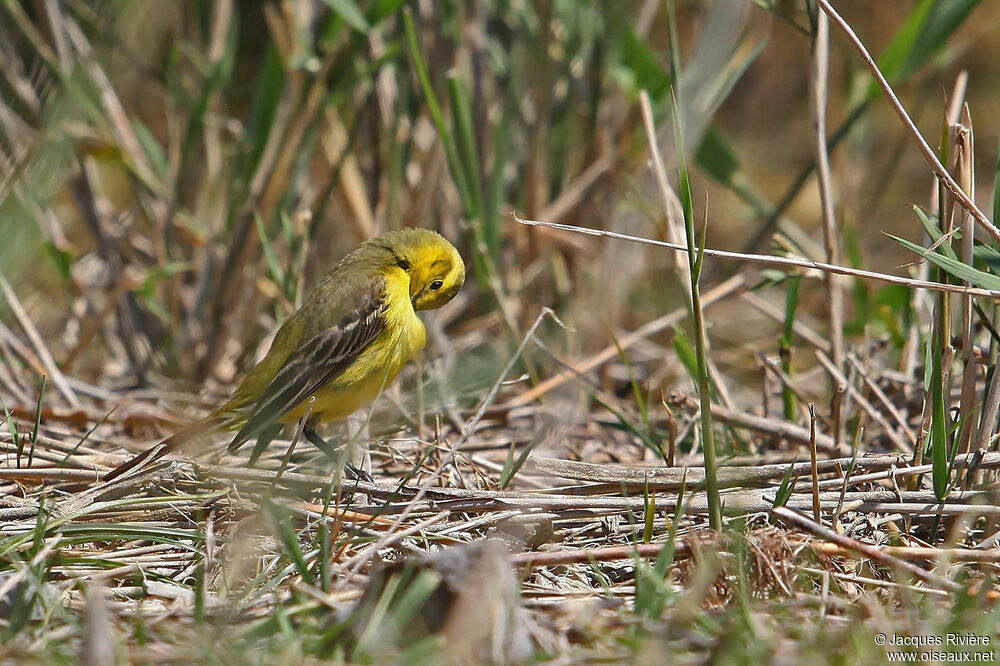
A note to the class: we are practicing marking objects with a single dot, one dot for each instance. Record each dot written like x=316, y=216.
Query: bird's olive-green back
x=356, y=277
x=347, y=293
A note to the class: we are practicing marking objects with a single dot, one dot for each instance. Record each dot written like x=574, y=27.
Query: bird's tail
x=206, y=426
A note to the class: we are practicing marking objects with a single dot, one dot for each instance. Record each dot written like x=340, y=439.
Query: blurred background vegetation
x=174, y=175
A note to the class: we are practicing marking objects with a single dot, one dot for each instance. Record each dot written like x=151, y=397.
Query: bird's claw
x=357, y=474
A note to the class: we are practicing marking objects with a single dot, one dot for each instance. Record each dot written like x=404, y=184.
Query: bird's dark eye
x=437, y=284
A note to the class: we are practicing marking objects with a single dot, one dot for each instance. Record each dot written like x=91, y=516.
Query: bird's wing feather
x=315, y=362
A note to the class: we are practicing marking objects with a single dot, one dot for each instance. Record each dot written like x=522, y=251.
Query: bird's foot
x=357, y=474
x=338, y=455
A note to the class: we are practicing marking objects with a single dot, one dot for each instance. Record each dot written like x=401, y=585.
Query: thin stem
x=773, y=260
x=960, y=196
x=818, y=103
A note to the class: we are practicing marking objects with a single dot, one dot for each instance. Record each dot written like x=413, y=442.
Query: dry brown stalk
x=675, y=229
x=817, y=107
x=682, y=549
x=774, y=260
x=773, y=368
x=942, y=173
x=671, y=478
x=736, y=503
x=963, y=156
x=780, y=429
x=930, y=507
x=882, y=397
x=53, y=371
x=863, y=402
x=912, y=553
x=342, y=514
x=799, y=521
x=336, y=142
x=47, y=474
x=813, y=465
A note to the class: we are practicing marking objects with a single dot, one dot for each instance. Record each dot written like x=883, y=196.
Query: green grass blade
x=648, y=513
x=465, y=145
x=789, y=401
x=953, y=267
x=787, y=485
x=939, y=425
x=350, y=13
x=38, y=422
x=511, y=466
x=704, y=390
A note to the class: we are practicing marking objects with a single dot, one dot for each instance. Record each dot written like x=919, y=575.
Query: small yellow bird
x=349, y=340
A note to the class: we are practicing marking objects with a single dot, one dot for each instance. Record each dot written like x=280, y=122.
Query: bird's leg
x=359, y=456
x=338, y=454
x=317, y=440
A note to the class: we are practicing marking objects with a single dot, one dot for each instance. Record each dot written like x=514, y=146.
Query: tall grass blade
x=704, y=384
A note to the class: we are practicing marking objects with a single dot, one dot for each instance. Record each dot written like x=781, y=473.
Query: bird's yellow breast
x=404, y=336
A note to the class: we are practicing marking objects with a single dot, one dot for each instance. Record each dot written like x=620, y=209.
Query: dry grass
x=277, y=563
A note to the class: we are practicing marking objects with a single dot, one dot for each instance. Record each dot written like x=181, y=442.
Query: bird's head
x=435, y=267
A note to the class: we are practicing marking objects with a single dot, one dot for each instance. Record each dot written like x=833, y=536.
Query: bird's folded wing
x=314, y=363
